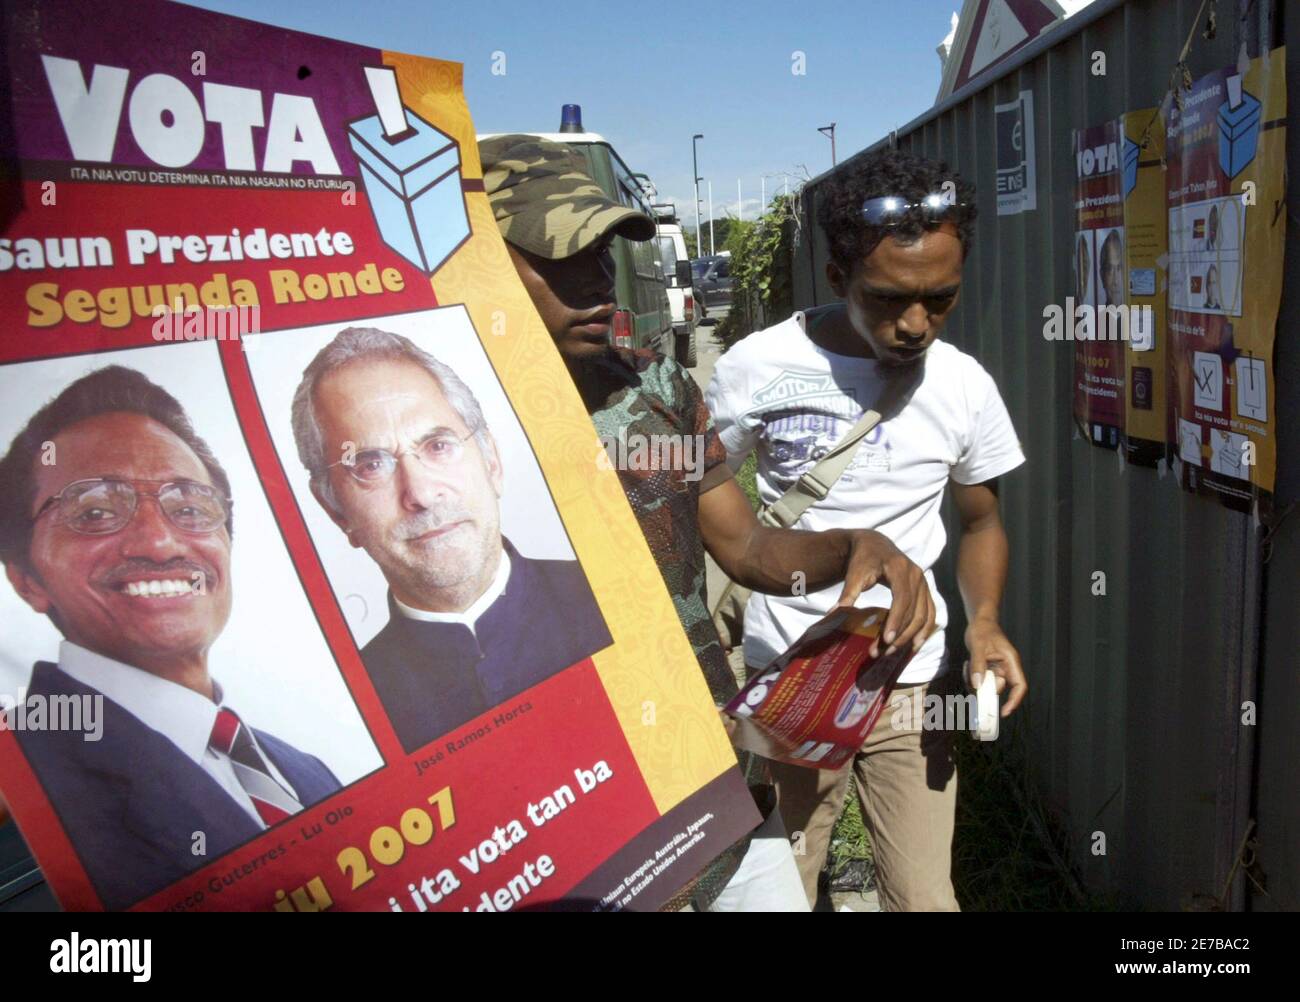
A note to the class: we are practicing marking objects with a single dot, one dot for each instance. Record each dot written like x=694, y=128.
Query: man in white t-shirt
x=898, y=227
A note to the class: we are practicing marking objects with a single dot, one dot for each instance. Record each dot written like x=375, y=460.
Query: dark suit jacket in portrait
x=132, y=801
x=432, y=677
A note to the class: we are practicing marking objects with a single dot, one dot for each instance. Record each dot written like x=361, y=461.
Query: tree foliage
x=762, y=287
x=721, y=232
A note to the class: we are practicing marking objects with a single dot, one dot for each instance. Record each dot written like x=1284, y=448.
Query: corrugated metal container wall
x=1277, y=807
x=1134, y=718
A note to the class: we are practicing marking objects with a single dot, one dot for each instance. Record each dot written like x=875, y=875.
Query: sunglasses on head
x=889, y=210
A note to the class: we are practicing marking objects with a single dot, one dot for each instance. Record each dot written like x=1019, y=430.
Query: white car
x=671, y=245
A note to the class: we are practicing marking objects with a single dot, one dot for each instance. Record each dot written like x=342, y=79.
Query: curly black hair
x=889, y=172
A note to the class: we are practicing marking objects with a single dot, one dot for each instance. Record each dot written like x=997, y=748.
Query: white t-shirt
x=778, y=392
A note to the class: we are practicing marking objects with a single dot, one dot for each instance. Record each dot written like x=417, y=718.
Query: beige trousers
x=907, y=786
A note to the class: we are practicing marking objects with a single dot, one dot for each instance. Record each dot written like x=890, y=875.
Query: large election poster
x=1225, y=187
x=1145, y=440
x=1098, y=300
x=266, y=373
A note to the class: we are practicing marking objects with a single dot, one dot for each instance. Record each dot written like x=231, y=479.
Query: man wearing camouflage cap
x=546, y=203
x=558, y=225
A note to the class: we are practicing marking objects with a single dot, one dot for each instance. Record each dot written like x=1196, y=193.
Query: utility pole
x=762, y=198
x=740, y=203
x=776, y=176
x=829, y=130
x=695, y=162
x=710, y=218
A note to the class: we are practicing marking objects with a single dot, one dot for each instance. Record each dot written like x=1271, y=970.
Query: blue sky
x=870, y=65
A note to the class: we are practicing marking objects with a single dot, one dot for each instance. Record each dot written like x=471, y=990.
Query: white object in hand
x=987, y=708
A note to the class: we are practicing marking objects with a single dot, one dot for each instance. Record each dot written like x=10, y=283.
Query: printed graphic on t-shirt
x=803, y=429
x=874, y=452
x=796, y=388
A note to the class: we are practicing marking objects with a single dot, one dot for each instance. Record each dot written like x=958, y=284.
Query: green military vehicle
x=644, y=318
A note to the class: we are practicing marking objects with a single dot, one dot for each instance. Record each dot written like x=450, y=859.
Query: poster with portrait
x=318, y=594
x=1225, y=184
x=1145, y=439
x=1100, y=316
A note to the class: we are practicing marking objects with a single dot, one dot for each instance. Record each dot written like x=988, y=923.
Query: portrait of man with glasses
x=400, y=457
x=116, y=522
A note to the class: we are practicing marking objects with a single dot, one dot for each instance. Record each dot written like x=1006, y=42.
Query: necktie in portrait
x=230, y=737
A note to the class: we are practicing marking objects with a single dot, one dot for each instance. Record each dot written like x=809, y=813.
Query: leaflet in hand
x=816, y=703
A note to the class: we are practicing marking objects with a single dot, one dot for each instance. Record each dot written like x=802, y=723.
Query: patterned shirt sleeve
x=697, y=421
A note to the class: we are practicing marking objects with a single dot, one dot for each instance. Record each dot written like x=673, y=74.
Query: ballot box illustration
x=1238, y=128
x=411, y=172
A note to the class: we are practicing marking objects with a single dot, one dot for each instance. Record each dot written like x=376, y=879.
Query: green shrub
x=762, y=287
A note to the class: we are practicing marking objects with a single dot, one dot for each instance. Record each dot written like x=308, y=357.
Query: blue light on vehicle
x=571, y=118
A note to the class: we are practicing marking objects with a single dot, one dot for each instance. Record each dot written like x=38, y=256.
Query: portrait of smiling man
x=401, y=458
x=116, y=523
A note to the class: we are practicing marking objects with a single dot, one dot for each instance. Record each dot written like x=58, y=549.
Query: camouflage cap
x=546, y=202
